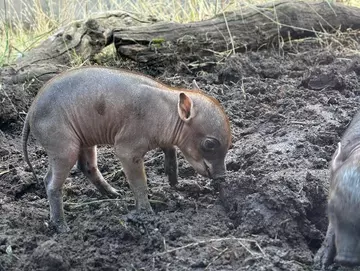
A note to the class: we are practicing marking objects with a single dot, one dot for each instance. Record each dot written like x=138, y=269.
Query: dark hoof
x=171, y=172
x=173, y=180
x=113, y=194
x=109, y=192
x=59, y=227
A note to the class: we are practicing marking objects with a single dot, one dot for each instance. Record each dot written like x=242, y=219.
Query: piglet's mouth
x=215, y=175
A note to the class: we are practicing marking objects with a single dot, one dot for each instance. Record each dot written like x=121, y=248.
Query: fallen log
x=250, y=28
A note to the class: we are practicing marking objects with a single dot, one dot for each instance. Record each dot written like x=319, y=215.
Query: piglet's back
x=89, y=81
x=93, y=103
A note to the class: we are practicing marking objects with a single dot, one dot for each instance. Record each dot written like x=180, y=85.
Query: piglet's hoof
x=139, y=215
x=109, y=191
x=173, y=180
x=113, y=194
x=323, y=258
x=59, y=227
x=145, y=210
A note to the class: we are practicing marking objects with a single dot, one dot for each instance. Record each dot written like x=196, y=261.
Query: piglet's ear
x=185, y=107
x=336, y=161
x=194, y=85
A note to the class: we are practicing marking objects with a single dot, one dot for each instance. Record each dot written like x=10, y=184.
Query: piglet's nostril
x=347, y=260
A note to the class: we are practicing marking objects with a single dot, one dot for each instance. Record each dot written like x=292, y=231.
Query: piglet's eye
x=209, y=144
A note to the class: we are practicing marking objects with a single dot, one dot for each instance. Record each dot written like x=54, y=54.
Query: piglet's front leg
x=136, y=177
x=326, y=254
x=171, y=166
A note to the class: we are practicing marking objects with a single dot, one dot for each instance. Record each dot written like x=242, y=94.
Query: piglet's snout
x=216, y=171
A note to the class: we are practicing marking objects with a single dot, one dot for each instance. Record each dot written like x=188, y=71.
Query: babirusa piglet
x=85, y=107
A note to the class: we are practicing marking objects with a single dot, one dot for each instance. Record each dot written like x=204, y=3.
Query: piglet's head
x=205, y=136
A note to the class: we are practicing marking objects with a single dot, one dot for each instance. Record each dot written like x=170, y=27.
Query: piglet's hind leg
x=87, y=163
x=326, y=254
x=59, y=169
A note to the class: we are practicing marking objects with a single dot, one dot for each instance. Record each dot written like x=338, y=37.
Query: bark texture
x=250, y=28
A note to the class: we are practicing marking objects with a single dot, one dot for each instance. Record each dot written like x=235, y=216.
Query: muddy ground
x=287, y=109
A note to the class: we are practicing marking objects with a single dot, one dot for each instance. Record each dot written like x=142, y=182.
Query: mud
x=287, y=109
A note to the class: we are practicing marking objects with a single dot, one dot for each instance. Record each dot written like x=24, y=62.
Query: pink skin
x=91, y=106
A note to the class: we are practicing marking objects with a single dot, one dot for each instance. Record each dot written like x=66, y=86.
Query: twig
x=246, y=248
x=231, y=37
x=298, y=122
x=179, y=248
x=211, y=241
x=152, y=159
x=261, y=250
x=76, y=205
x=4, y=172
x=217, y=257
x=92, y=202
x=164, y=243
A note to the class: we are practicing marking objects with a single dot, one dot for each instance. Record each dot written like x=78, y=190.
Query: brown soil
x=287, y=114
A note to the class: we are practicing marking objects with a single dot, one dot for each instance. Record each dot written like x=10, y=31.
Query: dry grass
x=39, y=18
